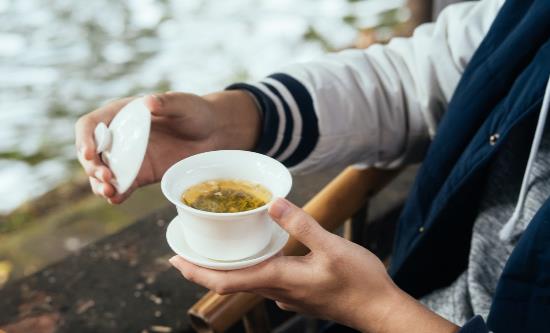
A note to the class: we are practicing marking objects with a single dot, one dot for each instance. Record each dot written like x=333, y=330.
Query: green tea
x=226, y=196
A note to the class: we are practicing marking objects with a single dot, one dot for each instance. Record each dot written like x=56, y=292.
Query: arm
x=338, y=280
x=182, y=125
x=380, y=105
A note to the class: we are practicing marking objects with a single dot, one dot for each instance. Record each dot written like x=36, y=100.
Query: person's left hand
x=337, y=280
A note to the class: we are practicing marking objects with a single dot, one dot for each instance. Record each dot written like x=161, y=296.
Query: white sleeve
x=378, y=106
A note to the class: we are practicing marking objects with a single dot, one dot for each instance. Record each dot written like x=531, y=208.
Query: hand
x=182, y=125
x=338, y=280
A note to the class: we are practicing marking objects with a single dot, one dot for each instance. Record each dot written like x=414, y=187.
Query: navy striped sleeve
x=289, y=126
x=290, y=129
x=270, y=119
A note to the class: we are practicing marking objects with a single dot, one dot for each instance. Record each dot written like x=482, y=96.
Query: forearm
x=237, y=119
x=408, y=315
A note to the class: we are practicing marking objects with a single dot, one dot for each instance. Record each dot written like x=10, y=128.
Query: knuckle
x=301, y=225
x=327, y=276
x=161, y=98
x=337, y=257
x=89, y=172
x=333, y=263
x=82, y=121
x=79, y=122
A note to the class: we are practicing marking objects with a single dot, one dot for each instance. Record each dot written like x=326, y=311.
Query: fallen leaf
x=161, y=329
x=83, y=306
x=5, y=270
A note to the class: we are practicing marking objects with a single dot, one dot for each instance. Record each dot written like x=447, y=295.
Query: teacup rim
x=199, y=212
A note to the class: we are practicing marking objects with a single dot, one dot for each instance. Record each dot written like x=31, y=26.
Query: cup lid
x=122, y=145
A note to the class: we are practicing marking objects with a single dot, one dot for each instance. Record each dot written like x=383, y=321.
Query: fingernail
x=158, y=98
x=173, y=260
x=101, y=189
x=81, y=152
x=98, y=174
x=279, y=208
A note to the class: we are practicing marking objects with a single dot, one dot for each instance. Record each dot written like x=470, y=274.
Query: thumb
x=299, y=224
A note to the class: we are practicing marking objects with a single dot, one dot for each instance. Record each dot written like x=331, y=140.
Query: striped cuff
x=290, y=129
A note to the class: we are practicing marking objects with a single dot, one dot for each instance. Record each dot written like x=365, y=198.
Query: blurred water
x=61, y=58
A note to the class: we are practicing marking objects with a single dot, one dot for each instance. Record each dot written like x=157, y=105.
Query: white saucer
x=174, y=235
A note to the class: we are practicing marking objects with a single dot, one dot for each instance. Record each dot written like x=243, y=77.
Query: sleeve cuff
x=290, y=129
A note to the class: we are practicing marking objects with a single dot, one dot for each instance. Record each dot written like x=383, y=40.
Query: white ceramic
x=226, y=236
x=122, y=145
x=175, y=237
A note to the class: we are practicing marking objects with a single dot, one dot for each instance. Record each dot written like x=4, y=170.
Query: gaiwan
x=222, y=199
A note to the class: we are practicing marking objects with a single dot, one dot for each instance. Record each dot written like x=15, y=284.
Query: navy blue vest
x=501, y=88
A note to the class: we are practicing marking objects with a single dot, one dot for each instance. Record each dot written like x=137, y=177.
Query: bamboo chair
x=335, y=204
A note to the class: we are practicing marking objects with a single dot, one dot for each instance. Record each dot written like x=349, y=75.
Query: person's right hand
x=182, y=125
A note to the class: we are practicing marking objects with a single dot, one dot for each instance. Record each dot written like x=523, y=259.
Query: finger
x=261, y=276
x=84, y=136
x=100, y=178
x=103, y=174
x=299, y=224
x=96, y=186
x=287, y=306
x=96, y=169
x=108, y=190
x=118, y=198
x=89, y=166
x=168, y=104
x=104, y=190
x=85, y=143
x=85, y=126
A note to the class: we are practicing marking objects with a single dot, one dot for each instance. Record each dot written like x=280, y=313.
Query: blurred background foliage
x=60, y=59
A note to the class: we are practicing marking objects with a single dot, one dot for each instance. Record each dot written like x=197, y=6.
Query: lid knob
x=102, y=137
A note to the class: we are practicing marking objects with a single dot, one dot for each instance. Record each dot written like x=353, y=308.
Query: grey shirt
x=472, y=292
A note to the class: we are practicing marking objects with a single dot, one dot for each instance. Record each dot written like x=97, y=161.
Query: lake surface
x=60, y=59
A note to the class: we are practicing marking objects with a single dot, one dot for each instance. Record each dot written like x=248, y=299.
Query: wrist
x=237, y=119
x=373, y=311
x=396, y=311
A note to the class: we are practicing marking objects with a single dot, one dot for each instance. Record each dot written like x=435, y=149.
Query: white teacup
x=226, y=236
